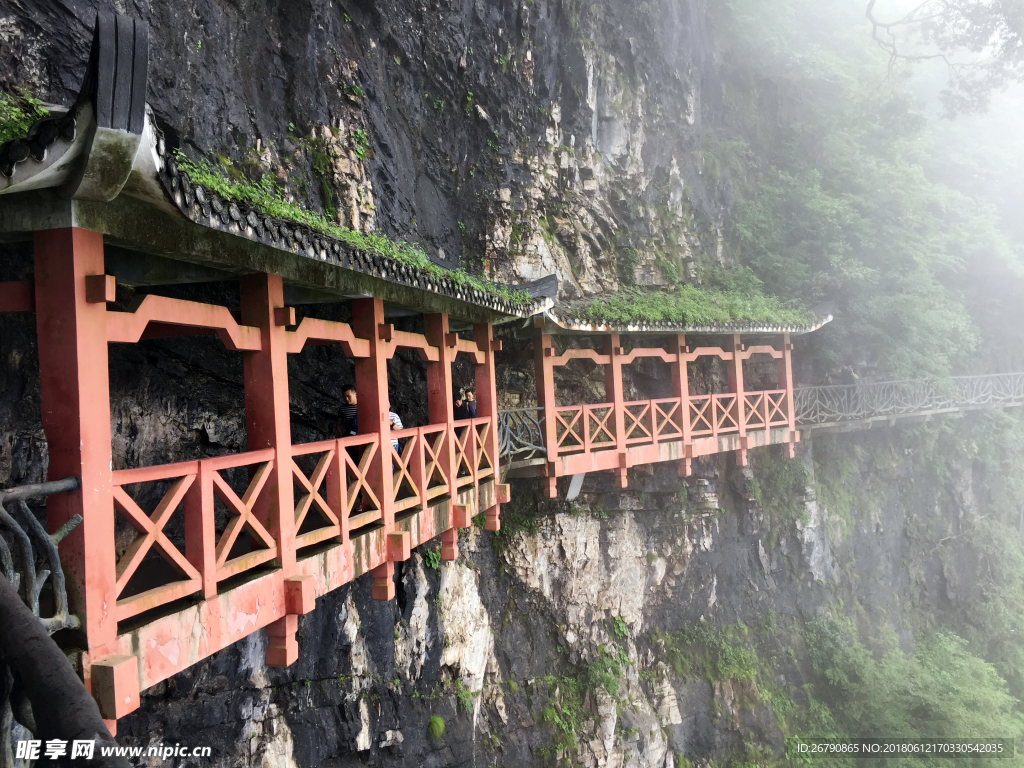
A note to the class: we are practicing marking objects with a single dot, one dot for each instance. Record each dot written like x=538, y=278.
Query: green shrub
x=435, y=728
x=18, y=111
x=432, y=558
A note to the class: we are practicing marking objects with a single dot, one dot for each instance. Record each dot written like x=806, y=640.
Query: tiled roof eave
x=594, y=325
x=205, y=208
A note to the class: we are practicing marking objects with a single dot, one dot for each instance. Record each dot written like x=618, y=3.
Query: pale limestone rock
x=391, y=738
x=668, y=701
x=414, y=639
x=469, y=643
x=363, y=737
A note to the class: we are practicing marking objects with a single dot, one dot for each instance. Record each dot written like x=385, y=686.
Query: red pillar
x=614, y=395
x=267, y=418
x=544, y=376
x=736, y=386
x=374, y=406
x=785, y=373
x=681, y=389
x=487, y=406
x=439, y=390
x=268, y=425
x=75, y=399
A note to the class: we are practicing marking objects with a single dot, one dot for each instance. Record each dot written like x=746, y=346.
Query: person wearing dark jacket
x=471, y=402
x=348, y=416
x=461, y=410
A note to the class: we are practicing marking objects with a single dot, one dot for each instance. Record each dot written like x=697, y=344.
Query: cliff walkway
x=522, y=431
x=168, y=564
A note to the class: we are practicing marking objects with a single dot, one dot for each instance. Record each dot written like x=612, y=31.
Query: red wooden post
x=75, y=399
x=681, y=389
x=785, y=373
x=487, y=406
x=440, y=408
x=267, y=418
x=736, y=386
x=373, y=408
x=544, y=375
x=450, y=545
x=200, y=534
x=614, y=395
x=268, y=425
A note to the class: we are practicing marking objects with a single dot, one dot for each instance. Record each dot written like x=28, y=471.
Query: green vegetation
x=354, y=91
x=716, y=653
x=737, y=296
x=432, y=557
x=464, y=696
x=265, y=195
x=18, y=111
x=940, y=690
x=467, y=103
x=435, y=728
x=779, y=484
x=360, y=143
x=837, y=200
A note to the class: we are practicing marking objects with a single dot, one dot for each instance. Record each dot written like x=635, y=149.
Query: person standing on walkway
x=348, y=416
x=471, y=402
x=460, y=412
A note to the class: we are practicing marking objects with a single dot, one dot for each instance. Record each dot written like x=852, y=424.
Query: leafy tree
x=942, y=690
x=834, y=202
x=981, y=42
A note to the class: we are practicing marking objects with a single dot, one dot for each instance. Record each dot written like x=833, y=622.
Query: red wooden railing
x=618, y=434
x=338, y=492
x=589, y=428
x=236, y=544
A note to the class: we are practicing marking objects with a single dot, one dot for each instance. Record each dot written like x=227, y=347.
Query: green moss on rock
x=18, y=111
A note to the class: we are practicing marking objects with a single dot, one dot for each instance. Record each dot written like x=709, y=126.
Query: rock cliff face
x=521, y=137
x=527, y=136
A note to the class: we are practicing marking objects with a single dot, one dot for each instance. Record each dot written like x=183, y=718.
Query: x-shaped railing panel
x=570, y=440
x=244, y=518
x=151, y=535
x=356, y=482
x=311, y=496
x=701, y=418
x=667, y=418
x=777, y=411
x=754, y=410
x=465, y=435
x=484, y=462
x=725, y=413
x=639, y=428
x=599, y=433
x=403, y=463
x=434, y=476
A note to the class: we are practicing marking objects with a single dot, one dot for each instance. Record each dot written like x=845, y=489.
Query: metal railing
x=861, y=402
